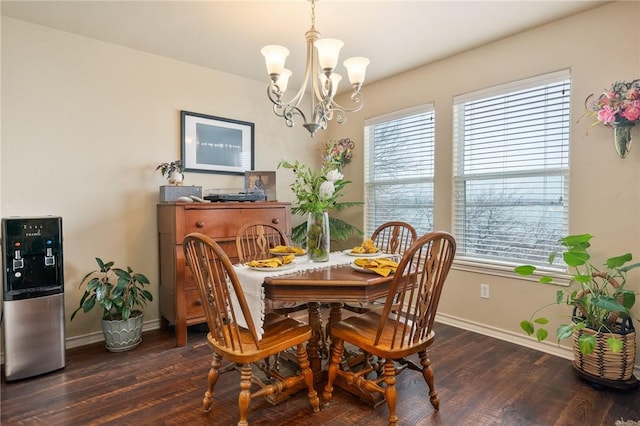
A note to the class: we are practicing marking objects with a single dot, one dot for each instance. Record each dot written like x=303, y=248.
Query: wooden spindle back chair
x=394, y=237
x=224, y=306
x=254, y=240
x=402, y=328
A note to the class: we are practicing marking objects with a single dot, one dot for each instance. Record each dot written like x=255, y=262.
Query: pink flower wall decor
x=619, y=105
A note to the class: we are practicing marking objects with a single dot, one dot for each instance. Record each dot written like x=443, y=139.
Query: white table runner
x=251, y=282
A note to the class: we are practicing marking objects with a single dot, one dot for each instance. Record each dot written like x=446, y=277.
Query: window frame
x=500, y=266
x=369, y=124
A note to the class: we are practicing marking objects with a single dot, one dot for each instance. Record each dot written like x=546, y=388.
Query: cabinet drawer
x=225, y=223
x=194, y=304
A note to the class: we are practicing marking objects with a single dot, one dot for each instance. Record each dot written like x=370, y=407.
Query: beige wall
x=85, y=123
x=604, y=188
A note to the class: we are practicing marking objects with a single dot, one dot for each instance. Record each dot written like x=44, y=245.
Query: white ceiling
x=228, y=35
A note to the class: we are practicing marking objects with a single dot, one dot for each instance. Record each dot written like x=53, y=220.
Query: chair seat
x=361, y=331
x=280, y=333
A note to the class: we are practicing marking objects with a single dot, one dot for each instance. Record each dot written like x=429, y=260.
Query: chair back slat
x=394, y=237
x=413, y=298
x=219, y=287
x=254, y=240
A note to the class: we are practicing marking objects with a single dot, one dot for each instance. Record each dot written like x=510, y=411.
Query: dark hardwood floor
x=480, y=380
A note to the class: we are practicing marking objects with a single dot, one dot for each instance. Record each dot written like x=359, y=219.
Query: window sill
x=506, y=270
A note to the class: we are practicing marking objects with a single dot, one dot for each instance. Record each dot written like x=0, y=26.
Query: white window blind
x=399, y=169
x=511, y=154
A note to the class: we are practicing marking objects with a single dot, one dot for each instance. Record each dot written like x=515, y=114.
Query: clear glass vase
x=622, y=138
x=318, y=238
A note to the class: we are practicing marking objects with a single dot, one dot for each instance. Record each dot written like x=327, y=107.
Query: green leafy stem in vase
x=317, y=237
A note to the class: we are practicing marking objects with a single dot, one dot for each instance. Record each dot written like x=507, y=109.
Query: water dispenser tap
x=49, y=260
x=18, y=261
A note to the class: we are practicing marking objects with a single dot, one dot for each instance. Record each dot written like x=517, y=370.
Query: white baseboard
x=87, y=339
x=511, y=337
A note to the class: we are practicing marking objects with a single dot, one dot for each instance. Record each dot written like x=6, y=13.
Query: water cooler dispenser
x=33, y=296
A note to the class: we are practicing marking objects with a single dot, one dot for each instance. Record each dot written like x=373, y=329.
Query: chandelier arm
x=288, y=112
x=318, y=106
x=273, y=93
x=295, y=101
x=357, y=98
x=290, y=108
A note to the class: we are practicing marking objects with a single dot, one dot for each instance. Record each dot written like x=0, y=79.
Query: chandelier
x=320, y=66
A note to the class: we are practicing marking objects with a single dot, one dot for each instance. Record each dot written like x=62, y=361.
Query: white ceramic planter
x=121, y=335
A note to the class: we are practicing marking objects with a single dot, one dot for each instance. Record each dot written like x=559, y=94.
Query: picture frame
x=216, y=145
x=261, y=181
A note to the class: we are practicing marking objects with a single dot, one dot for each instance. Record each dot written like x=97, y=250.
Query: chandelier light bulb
x=283, y=80
x=328, y=51
x=335, y=81
x=274, y=57
x=356, y=68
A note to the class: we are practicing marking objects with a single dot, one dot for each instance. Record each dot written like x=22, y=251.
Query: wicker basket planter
x=602, y=362
x=604, y=340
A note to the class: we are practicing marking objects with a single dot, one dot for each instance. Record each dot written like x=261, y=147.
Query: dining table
x=333, y=283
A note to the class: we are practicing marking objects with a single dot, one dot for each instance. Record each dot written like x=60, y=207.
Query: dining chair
x=219, y=287
x=255, y=239
x=391, y=237
x=394, y=237
x=403, y=327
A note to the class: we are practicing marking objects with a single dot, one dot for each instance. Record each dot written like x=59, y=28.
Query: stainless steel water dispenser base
x=34, y=337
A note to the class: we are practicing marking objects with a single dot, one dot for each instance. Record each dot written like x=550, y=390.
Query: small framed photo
x=216, y=144
x=261, y=181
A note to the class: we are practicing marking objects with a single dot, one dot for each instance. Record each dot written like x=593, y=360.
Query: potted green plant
x=173, y=171
x=121, y=295
x=600, y=322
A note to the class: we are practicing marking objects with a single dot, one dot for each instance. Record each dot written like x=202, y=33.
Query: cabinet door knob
x=199, y=224
x=275, y=220
x=198, y=302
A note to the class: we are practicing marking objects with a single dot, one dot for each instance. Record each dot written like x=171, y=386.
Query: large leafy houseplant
x=598, y=295
x=117, y=291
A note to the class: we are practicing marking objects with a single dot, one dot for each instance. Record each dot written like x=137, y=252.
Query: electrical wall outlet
x=484, y=291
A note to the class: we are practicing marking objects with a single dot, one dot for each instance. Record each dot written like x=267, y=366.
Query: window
x=399, y=169
x=511, y=171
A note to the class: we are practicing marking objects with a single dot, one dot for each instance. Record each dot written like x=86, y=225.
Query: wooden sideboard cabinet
x=179, y=297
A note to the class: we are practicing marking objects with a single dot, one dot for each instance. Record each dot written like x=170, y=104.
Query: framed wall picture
x=215, y=144
x=261, y=181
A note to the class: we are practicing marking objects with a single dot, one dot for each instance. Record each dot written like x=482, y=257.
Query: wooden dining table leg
x=335, y=315
x=313, y=348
